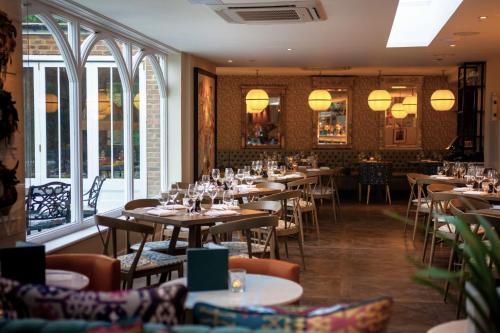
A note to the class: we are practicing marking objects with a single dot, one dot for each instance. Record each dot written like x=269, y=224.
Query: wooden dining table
x=192, y=222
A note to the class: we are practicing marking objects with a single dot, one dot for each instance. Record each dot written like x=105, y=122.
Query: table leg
x=173, y=240
x=194, y=239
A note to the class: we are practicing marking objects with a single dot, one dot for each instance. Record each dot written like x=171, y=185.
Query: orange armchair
x=270, y=267
x=103, y=272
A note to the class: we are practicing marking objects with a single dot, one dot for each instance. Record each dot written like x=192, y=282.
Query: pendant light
x=398, y=111
x=380, y=99
x=410, y=104
x=256, y=99
x=319, y=99
x=442, y=99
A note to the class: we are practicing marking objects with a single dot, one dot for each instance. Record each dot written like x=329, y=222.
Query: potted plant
x=481, y=259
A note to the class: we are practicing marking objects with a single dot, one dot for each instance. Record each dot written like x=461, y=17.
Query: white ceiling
x=354, y=34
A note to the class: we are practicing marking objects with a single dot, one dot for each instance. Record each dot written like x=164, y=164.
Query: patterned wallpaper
x=438, y=128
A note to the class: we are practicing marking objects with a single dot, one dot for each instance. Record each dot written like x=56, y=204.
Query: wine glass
x=216, y=174
x=205, y=180
x=247, y=168
x=469, y=182
x=240, y=175
x=440, y=170
x=461, y=169
x=227, y=199
x=192, y=193
x=212, y=192
x=248, y=179
x=172, y=194
x=229, y=173
x=479, y=176
x=258, y=167
x=446, y=167
x=162, y=199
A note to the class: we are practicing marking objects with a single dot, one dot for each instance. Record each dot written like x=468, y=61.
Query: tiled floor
x=365, y=254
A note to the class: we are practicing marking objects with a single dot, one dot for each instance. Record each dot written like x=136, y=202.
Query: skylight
x=417, y=22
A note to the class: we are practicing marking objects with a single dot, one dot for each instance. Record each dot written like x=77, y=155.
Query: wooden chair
x=326, y=189
x=290, y=222
x=159, y=245
x=307, y=204
x=247, y=226
x=412, y=200
x=142, y=263
x=271, y=267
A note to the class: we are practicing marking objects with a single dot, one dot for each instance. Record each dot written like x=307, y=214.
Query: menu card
x=207, y=269
x=24, y=263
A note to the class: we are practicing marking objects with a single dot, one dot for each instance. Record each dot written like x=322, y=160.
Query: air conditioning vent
x=270, y=13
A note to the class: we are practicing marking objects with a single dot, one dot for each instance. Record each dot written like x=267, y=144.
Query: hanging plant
x=8, y=192
x=8, y=113
x=8, y=35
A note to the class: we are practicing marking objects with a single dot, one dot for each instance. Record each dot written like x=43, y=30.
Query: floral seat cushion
x=156, y=305
x=238, y=249
x=148, y=260
x=161, y=246
x=370, y=316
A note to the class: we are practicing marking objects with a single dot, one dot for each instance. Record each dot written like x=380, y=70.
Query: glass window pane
x=117, y=125
x=64, y=124
x=104, y=109
x=52, y=122
x=29, y=123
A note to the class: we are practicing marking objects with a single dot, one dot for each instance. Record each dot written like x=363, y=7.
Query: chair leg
x=360, y=190
x=286, y=249
x=408, y=210
x=315, y=221
x=433, y=244
x=419, y=201
x=388, y=194
x=148, y=280
x=450, y=265
x=461, y=293
x=427, y=225
x=334, y=210
x=301, y=249
x=368, y=195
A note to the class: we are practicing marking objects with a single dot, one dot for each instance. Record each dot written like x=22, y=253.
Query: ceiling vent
x=271, y=12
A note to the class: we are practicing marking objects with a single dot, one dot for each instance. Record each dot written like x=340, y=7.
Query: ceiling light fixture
x=289, y=49
x=442, y=99
x=380, y=99
x=410, y=104
x=398, y=111
x=319, y=99
x=417, y=22
x=229, y=61
x=453, y=45
x=482, y=18
x=256, y=99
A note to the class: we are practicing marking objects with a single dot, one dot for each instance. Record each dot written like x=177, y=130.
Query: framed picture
x=205, y=122
x=399, y=135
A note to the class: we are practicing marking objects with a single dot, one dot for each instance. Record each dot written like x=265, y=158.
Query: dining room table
x=285, y=179
x=179, y=218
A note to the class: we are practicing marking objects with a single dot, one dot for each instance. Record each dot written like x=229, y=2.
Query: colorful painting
x=205, y=122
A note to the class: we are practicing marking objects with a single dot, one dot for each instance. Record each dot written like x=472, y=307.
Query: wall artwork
x=205, y=122
x=399, y=136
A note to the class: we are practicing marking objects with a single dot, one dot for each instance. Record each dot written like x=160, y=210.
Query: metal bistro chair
x=154, y=245
x=91, y=196
x=375, y=173
x=142, y=263
x=249, y=247
x=48, y=206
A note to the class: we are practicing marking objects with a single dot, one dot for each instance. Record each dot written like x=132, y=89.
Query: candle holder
x=237, y=280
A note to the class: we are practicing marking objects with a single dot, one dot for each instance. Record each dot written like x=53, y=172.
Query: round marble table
x=456, y=326
x=66, y=279
x=261, y=290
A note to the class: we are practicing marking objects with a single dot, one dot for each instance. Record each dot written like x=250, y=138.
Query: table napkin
x=440, y=177
x=161, y=212
x=495, y=207
x=223, y=207
x=215, y=213
x=324, y=168
x=460, y=189
x=475, y=192
x=313, y=169
x=176, y=206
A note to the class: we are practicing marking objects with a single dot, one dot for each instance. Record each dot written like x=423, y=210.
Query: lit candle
x=237, y=280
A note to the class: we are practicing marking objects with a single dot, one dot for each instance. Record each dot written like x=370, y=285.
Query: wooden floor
x=364, y=255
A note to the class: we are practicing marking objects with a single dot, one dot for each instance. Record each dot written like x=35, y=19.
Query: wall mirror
x=331, y=128
x=264, y=129
x=402, y=121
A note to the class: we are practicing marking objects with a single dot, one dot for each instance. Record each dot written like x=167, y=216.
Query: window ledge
x=70, y=239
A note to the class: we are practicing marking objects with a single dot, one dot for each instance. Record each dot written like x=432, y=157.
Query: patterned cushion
x=148, y=260
x=238, y=249
x=159, y=246
x=370, y=316
x=161, y=305
x=126, y=327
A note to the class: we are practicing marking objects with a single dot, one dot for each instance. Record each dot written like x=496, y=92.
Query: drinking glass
x=162, y=199
x=248, y=179
x=229, y=173
x=461, y=169
x=247, y=168
x=479, y=176
x=440, y=170
x=192, y=193
x=469, y=181
x=282, y=170
x=258, y=167
x=446, y=167
x=216, y=174
x=212, y=192
x=200, y=189
x=228, y=199
x=240, y=175
x=172, y=194
x=205, y=179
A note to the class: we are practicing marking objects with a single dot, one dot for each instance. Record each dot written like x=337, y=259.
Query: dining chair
x=306, y=203
x=161, y=245
x=290, y=221
x=326, y=189
x=91, y=197
x=93, y=266
x=246, y=227
x=270, y=267
x=373, y=174
x=142, y=263
x=412, y=200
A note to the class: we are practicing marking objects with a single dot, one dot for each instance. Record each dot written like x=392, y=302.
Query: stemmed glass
x=172, y=194
x=216, y=174
x=479, y=176
x=205, y=180
x=469, y=181
x=446, y=167
x=228, y=199
x=248, y=179
x=240, y=175
x=461, y=169
x=192, y=193
x=162, y=199
x=212, y=192
x=257, y=167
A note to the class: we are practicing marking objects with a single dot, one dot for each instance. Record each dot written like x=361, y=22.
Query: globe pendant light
x=380, y=99
x=398, y=111
x=442, y=100
x=51, y=103
x=257, y=100
x=320, y=100
x=410, y=104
